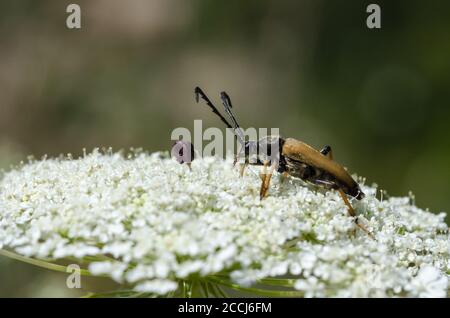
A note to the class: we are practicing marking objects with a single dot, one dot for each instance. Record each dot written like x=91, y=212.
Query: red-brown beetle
x=290, y=157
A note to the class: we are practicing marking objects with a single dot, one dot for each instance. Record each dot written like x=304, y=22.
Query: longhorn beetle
x=290, y=157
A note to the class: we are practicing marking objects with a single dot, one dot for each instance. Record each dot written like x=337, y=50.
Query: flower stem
x=40, y=263
x=258, y=291
x=281, y=282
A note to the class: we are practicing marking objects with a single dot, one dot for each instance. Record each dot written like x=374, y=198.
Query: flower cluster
x=149, y=222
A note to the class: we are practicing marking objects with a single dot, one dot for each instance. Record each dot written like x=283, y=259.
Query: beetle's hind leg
x=352, y=213
x=350, y=209
x=326, y=151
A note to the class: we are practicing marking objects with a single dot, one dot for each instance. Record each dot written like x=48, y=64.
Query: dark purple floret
x=183, y=151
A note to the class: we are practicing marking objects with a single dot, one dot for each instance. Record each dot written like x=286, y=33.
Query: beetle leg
x=263, y=173
x=326, y=151
x=266, y=180
x=352, y=213
x=284, y=176
x=243, y=166
x=237, y=156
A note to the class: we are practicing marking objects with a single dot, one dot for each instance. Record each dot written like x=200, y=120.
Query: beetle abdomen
x=307, y=163
x=300, y=170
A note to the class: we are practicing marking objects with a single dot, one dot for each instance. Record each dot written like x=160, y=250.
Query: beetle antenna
x=226, y=101
x=199, y=93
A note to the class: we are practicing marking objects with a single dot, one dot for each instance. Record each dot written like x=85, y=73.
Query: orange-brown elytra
x=290, y=157
x=327, y=171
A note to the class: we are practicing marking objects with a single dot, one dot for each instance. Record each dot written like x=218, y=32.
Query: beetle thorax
x=266, y=149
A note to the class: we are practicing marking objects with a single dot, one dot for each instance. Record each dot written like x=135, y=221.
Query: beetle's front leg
x=237, y=156
x=243, y=166
x=265, y=178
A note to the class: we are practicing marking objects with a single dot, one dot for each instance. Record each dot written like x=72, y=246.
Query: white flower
x=429, y=282
x=311, y=286
x=150, y=222
x=157, y=286
x=307, y=260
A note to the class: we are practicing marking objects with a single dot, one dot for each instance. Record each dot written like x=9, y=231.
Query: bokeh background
x=312, y=68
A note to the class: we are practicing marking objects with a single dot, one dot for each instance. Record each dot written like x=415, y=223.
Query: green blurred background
x=312, y=68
